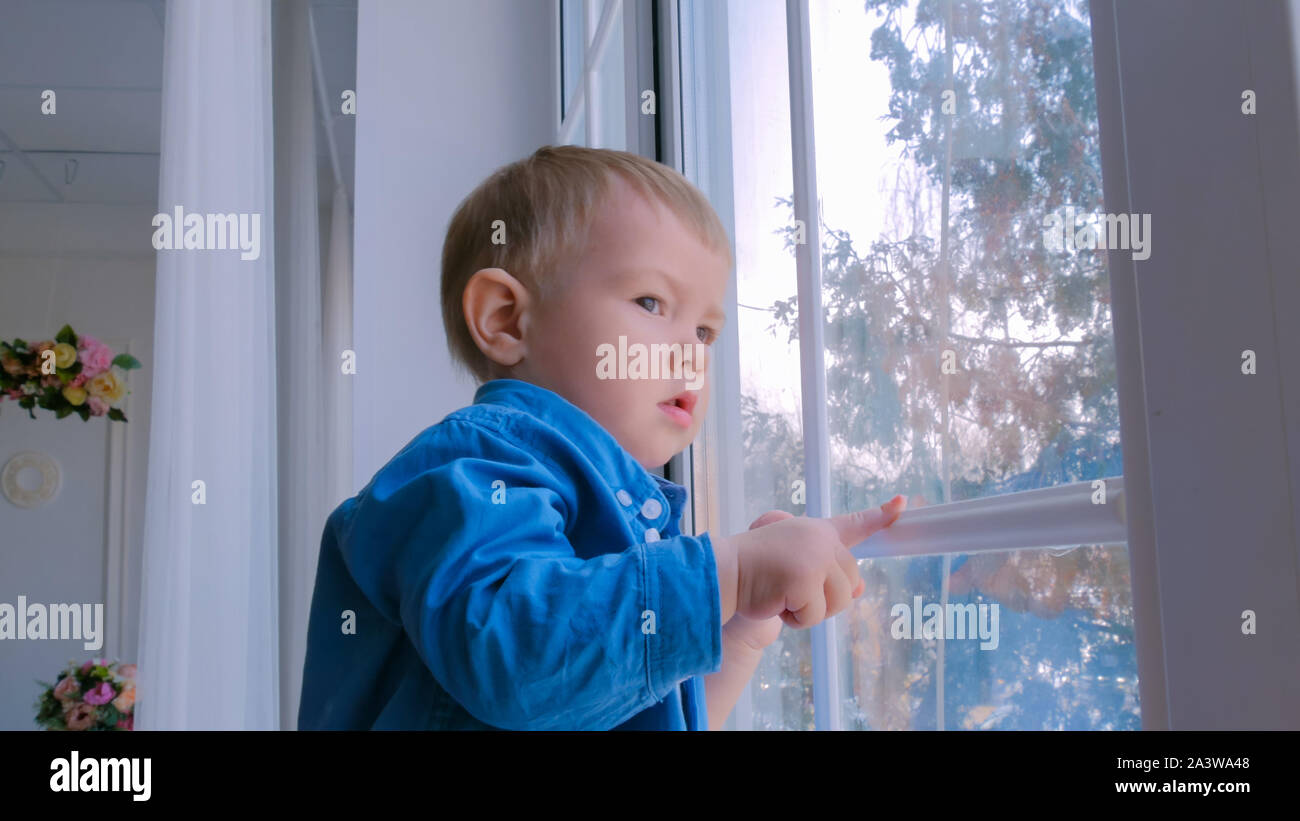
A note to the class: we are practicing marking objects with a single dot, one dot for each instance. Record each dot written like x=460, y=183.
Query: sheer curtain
x=250, y=399
x=209, y=620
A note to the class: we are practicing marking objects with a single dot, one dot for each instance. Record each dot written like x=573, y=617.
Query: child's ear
x=496, y=307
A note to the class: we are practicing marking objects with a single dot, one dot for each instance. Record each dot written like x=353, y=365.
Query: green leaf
x=67, y=335
x=126, y=361
x=83, y=412
x=116, y=415
x=110, y=714
x=20, y=343
x=63, y=411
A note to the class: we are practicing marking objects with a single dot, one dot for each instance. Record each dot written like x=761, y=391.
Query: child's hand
x=757, y=634
x=800, y=569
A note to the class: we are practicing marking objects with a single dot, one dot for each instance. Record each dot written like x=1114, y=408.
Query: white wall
x=90, y=266
x=446, y=93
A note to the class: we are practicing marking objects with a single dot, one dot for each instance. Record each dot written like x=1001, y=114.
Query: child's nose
x=692, y=359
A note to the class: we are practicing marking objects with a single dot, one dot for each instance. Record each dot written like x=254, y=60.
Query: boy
x=516, y=565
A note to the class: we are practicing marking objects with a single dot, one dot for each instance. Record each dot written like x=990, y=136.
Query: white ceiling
x=103, y=58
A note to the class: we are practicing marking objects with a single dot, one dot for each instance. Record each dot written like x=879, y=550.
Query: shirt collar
x=614, y=464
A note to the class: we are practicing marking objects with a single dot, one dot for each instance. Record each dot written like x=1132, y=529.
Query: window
x=963, y=360
x=592, y=64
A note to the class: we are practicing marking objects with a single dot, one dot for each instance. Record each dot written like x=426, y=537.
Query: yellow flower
x=107, y=386
x=74, y=395
x=64, y=355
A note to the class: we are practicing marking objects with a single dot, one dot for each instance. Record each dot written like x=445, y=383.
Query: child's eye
x=708, y=336
x=640, y=299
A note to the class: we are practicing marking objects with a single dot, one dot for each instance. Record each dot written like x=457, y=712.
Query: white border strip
x=812, y=364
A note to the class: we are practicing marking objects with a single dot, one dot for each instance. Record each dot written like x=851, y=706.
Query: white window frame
x=1211, y=455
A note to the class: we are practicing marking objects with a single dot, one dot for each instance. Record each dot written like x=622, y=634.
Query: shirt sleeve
x=473, y=557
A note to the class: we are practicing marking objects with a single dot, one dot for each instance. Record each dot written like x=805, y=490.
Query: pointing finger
x=857, y=526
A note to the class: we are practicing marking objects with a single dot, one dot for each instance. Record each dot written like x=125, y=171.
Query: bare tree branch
x=1015, y=343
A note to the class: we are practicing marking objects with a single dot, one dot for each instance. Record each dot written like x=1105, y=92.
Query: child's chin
x=651, y=459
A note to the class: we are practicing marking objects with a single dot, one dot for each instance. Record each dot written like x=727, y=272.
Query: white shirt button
x=624, y=498
x=651, y=509
x=651, y=535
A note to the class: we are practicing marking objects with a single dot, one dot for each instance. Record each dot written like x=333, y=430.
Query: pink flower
x=80, y=717
x=96, y=357
x=126, y=671
x=126, y=723
x=50, y=380
x=79, y=380
x=85, y=668
x=67, y=688
x=98, y=407
x=102, y=694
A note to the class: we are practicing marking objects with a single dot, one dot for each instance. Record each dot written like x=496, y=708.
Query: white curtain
x=209, y=656
x=302, y=400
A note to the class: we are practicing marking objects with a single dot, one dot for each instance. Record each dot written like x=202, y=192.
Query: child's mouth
x=679, y=408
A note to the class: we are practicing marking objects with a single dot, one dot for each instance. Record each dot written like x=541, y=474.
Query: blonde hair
x=548, y=202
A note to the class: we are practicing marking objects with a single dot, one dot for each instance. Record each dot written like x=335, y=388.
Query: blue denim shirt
x=512, y=567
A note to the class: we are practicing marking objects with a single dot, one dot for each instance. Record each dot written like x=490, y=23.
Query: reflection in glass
x=966, y=357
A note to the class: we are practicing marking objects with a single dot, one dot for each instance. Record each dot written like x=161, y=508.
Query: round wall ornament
x=30, y=479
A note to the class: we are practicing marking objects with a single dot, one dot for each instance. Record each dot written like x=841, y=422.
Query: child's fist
x=757, y=634
x=770, y=517
x=800, y=568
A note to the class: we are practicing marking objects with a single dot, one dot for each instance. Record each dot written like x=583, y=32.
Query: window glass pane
x=1038, y=640
x=965, y=357
x=612, y=91
x=772, y=436
x=579, y=133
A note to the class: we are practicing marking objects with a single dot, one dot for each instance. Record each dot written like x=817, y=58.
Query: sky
x=850, y=93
